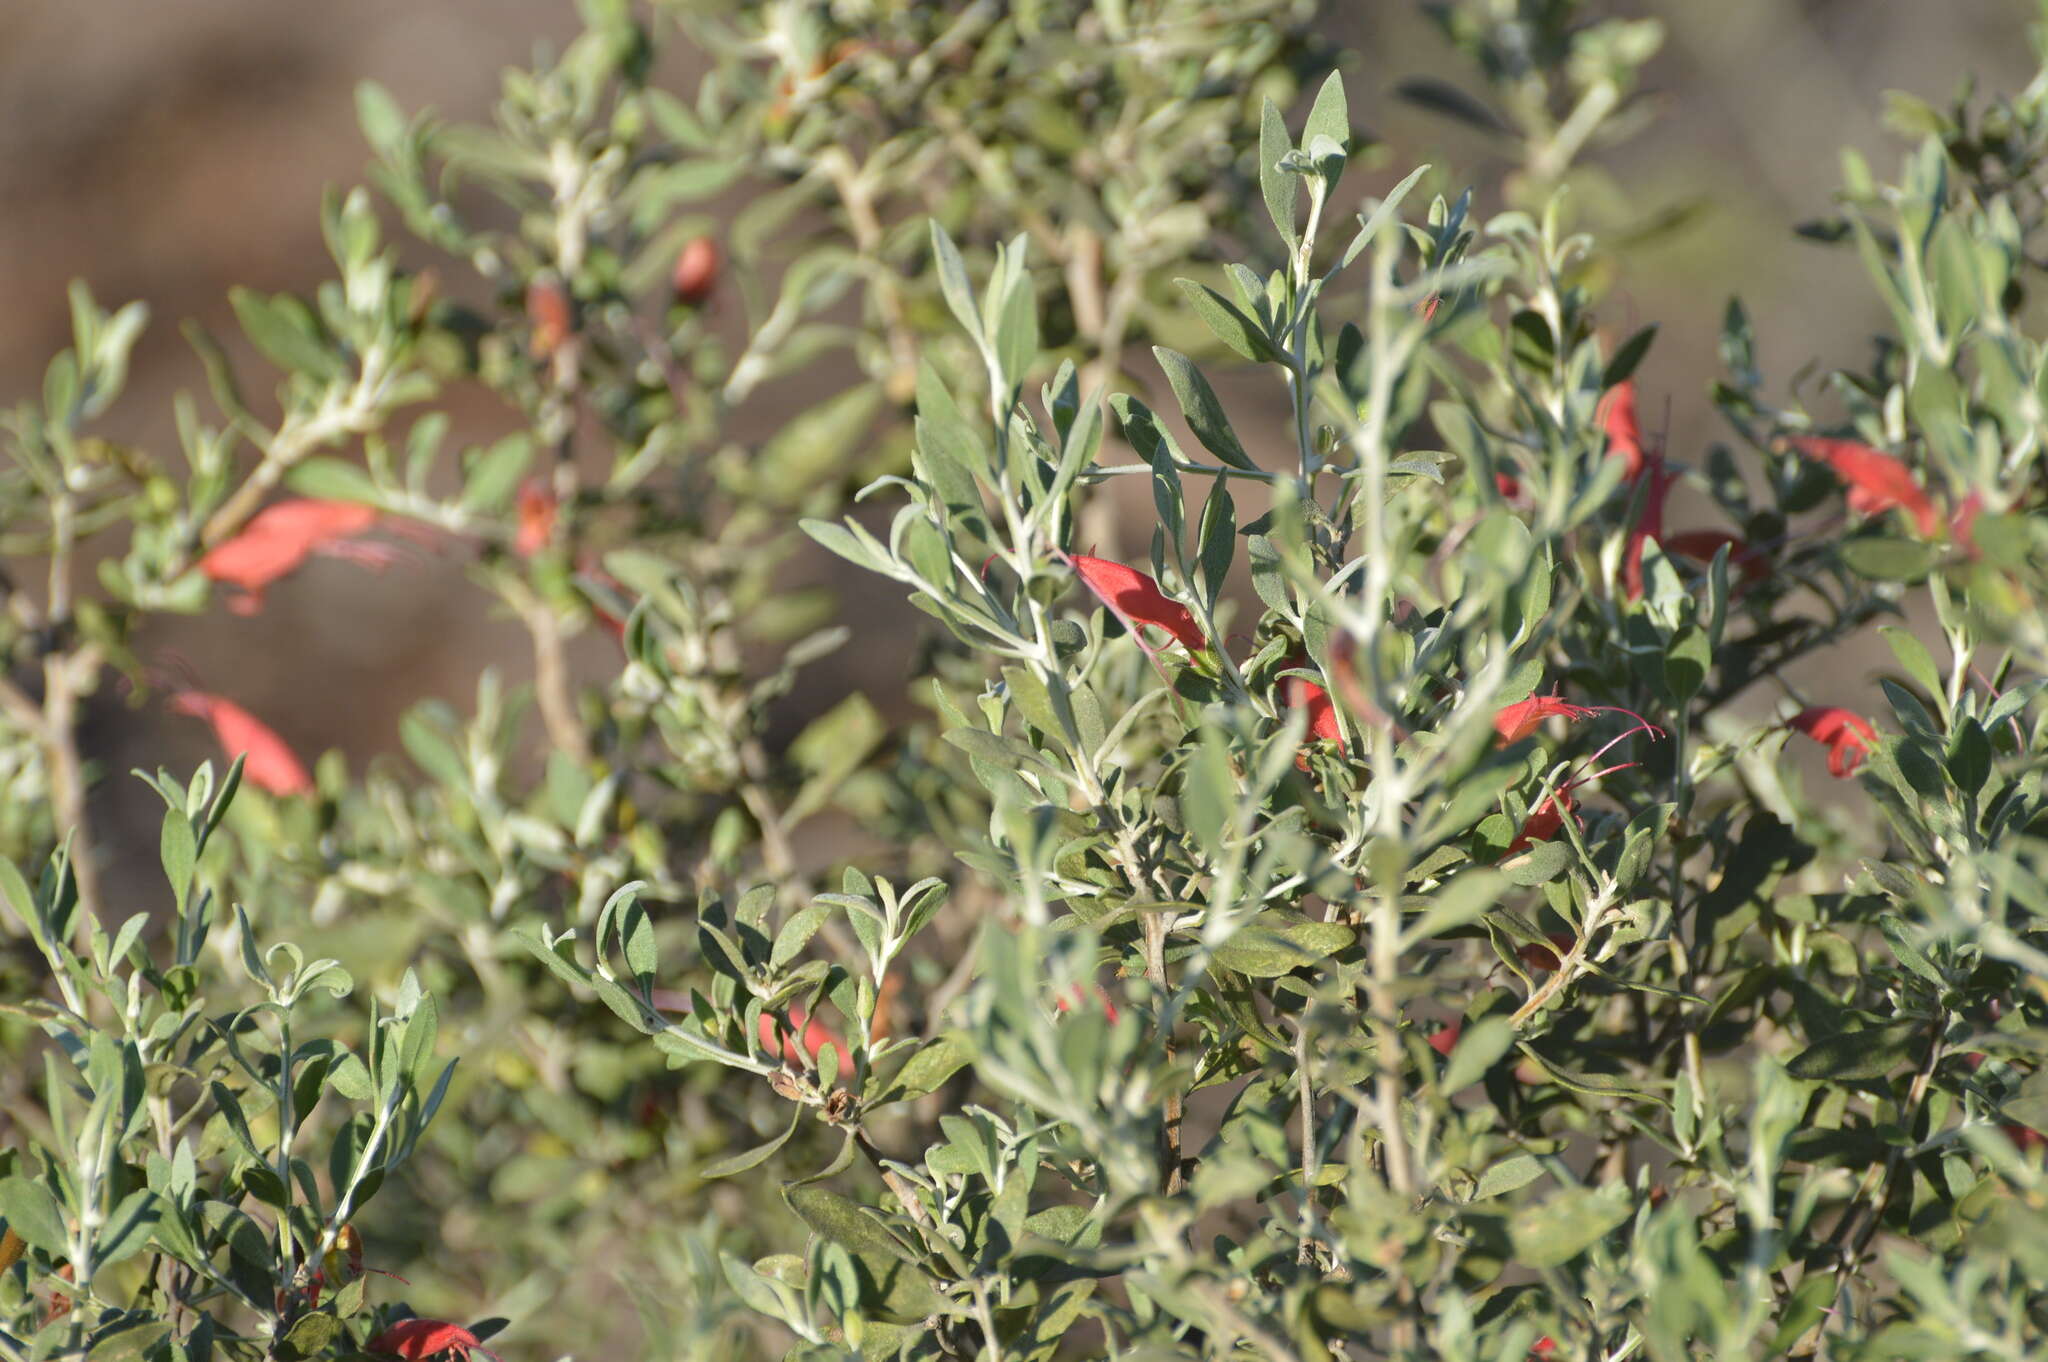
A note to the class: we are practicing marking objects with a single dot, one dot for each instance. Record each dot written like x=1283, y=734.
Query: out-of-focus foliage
x=1383, y=913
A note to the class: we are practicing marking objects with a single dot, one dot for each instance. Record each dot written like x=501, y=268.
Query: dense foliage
x=1421, y=893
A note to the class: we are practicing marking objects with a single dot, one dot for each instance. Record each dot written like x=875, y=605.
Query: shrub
x=1415, y=897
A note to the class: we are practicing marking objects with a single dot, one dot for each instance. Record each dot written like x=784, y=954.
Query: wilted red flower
x=1136, y=599
x=415, y=1340
x=1617, y=417
x=2024, y=1138
x=1846, y=735
x=1702, y=545
x=536, y=518
x=1546, y=957
x=553, y=318
x=809, y=1032
x=269, y=764
x=696, y=272
x=1877, y=481
x=280, y=537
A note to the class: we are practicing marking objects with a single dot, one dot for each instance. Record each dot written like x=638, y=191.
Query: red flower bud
x=696, y=272
x=549, y=311
x=536, y=518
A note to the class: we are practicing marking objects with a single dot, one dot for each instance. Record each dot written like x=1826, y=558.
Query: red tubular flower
x=696, y=272
x=1544, y=823
x=1545, y=1347
x=1962, y=525
x=268, y=763
x=415, y=1340
x=1322, y=711
x=1508, y=485
x=1517, y=721
x=536, y=518
x=812, y=1034
x=1877, y=481
x=1136, y=599
x=1444, y=1041
x=1076, y=996
x=279, y=538
x=1702, y=545
x=1846, y=735
x=1617, y=417
x=1648, y=526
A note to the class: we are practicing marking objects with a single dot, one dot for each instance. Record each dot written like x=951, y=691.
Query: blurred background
x=166, y=151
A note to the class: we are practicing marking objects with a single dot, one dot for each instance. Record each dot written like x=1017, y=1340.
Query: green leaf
x=1540, y=864
x=334, y=479
x=1480, y=1047
x=1969, y=756
x=1456, y=904
x=741, y=1162
x=1330, y=115
x=1625, y=360
x=1280, y=189
x=1914, y=659
x=1561, y=1228
x=938, y=1060
x=1686, y=663
x=1229, y=322
x=1861, y=1055
x=1016, y=339
x=1594, y=1085
x=494, y=471
x=953, y=281
x=1199, y=405
x=1511, y=1174
x=1890, y=560
x=180, y=854
x=127, y=1228
x=31, y=1212
x=1276, y=942
x=311, y=1336
x=130, y=1341
x=892, y=1281
x=287, y=333
x=378, y=114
